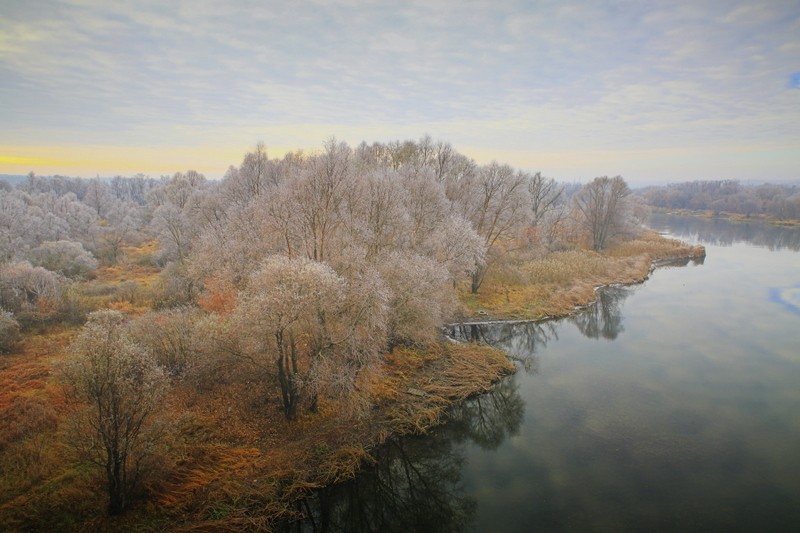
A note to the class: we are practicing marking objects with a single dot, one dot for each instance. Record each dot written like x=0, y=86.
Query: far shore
x=735, y=217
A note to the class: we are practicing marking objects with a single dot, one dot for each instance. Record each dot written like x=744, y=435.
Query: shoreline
x=547, y=295
x=656, y=263
x=210, y=483
x=725, y=215
x=425, y=422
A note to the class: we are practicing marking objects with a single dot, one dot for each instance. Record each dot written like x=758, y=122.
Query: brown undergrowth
x=229, y=462
x=251, y=477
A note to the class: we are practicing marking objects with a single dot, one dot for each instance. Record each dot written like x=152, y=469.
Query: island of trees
x=182, y=352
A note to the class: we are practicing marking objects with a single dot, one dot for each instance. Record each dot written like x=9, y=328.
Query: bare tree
x=603, y=209
x=544, y=195
x=122, y=385
x=496, y=208
x=319, y=196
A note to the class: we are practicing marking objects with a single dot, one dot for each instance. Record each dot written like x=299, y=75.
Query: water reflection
x=722, y=232
x=521, y=340
x=487, y=419
x=604, y=317
x=415, y=484
x=689, y=421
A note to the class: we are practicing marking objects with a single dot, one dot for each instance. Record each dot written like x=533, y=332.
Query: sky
x=655, y=91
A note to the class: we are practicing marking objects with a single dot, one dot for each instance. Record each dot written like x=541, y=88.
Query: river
x=668, y=406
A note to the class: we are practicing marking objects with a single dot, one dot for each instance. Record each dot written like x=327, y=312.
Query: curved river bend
x=669, y=406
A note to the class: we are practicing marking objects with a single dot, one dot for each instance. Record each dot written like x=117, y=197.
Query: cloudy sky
x=654, y=91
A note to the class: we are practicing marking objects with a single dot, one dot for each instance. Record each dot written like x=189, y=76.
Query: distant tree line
x=779, y=201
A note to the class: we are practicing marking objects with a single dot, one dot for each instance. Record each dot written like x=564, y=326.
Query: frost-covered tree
x=67, y=258
x=376, y=213
x=24, y=287
x=421, y=296
x=175, y=231
x=255, y=176
x=14, y=226
x=122, y=385
x=456, y=246
x=173, y=336
x=426, y=204
x=544, y=194
x=319, y=197
x=98, y=197
x=604, y=209
x=284, y=311
x=496, y=205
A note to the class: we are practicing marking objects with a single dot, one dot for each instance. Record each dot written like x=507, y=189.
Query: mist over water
x=669, y=406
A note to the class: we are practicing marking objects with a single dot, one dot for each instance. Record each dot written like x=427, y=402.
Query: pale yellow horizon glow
x=213, y=161
x=90, y=161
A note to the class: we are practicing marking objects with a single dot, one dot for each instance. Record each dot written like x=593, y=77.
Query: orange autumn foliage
x=218, y=297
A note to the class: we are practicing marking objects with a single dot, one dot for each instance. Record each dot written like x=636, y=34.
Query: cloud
x=553, y=77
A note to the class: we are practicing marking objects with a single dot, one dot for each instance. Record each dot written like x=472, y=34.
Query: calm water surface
x=669, y=406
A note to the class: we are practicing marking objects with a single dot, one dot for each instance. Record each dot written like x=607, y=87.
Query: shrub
x=175, y=287
x=24, y=287
x=68, y=258
x=9, y=331
x=171, y=336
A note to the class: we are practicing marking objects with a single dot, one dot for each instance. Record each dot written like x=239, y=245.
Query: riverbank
x=227, y=460
x=561, y=283
x=734, y=217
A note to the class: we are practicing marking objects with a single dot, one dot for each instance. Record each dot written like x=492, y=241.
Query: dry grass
x=558, y=283
x=36, y=483
x=232, y=462
x=420, y=385
x=657, y=247
x=128, y=286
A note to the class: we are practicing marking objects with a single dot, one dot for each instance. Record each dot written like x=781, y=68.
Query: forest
x=779, y=202
x=183, y=352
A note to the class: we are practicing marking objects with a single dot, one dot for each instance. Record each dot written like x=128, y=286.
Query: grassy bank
x=558, y=283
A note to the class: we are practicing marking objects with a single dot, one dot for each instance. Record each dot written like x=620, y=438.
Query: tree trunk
x=115, y=468
x=477, y=279
x=285, y=378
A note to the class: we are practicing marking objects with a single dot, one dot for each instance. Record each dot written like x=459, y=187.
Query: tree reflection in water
x=415, y=484
x=722, y=232
x=520, y=340
x=604, y=317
